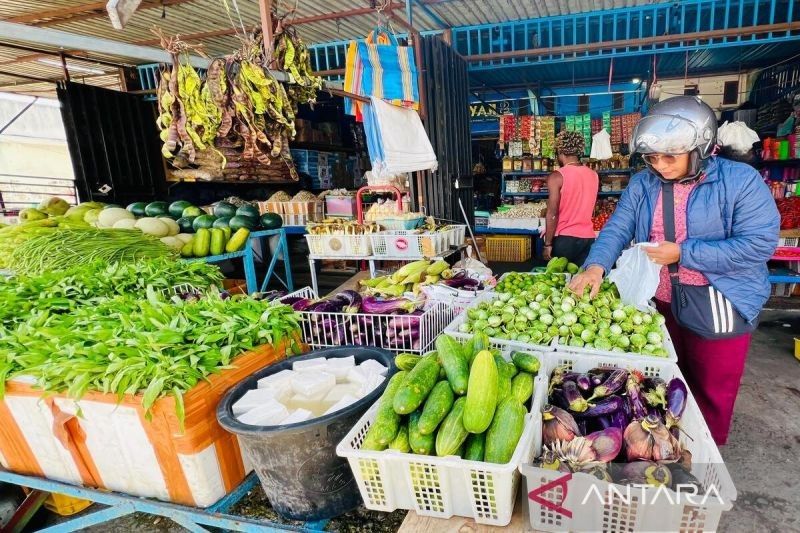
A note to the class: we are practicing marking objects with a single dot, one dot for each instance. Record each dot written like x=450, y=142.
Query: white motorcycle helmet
x=678, y=125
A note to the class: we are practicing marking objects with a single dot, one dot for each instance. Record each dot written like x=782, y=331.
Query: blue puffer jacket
x=732, y=230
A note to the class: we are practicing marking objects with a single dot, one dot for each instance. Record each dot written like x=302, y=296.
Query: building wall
x=711, y=88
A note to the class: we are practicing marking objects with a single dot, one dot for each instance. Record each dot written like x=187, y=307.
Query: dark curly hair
x=570, y=143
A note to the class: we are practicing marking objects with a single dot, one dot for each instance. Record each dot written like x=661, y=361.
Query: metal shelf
x=783, y=275
x=610, y=193
x=485, y=230
x=520, y=173
x=527, y=194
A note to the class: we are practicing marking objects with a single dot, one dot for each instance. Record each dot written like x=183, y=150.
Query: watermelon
x=137, y=208
x=271, y=221
x=185, y=224
x=240, y=221
x=176, y=208
x=203, y=221
x=192, y=211
x=156, y=209
x=222, y=222
x=248, y=211
x=225, y=210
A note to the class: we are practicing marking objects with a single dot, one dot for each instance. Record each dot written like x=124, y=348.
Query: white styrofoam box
x=256, y=398
x=438, y=486
x=312, y=383
x=371, y=366
x=310, y=365
x=315, y=404
x=298, y=415
x=341, y=404
x=340, y=366
x=644, y=511
x=278, y=379
x=340, y=391
x=204, y=467
x=268, y=414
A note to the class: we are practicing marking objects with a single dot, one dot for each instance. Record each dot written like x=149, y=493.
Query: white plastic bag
x=636, y=276
x=737, y=136
x=475, y=269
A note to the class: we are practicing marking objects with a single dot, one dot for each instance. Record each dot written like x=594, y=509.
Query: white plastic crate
x=340, y=329
x=783, y=290
x=339, y=245
x=440, y=487
x=672, y=356
x=643, y=510
x=409, y=244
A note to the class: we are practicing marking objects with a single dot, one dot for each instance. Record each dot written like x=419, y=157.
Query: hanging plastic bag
x=737, y=136
x=475, y=269
x=636, y=276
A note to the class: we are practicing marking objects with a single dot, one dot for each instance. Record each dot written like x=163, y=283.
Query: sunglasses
x=655, y=158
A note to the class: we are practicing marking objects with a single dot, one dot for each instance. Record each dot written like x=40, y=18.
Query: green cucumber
x=438, y=404
x=421, y=444
x=421, y=379
x=503, y=385
x=480, y=342
x=201, y=242
x=406, y=361
x=400, y=442
x=452, y=434
x=526, y=361
x=481, y=399
x=217, y=246
x=453, y=362
x=504, y=432
x=475, y=445
x=387, y=423
x=522, y=387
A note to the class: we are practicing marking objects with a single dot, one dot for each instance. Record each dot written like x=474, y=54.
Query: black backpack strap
x=668, y=208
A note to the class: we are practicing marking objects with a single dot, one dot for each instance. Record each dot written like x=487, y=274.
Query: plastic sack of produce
x=636, y=276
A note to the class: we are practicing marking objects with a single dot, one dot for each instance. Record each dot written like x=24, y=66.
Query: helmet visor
x=664, y=134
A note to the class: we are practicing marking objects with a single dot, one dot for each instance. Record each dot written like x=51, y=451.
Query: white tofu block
x=267, y=415
x=276, y=380
x=340, y=366
x=371, y=366
x=255, y=398
x=340, y=391
x=357, y=375
x=341, y=404
x=371, y=384
x=299, y=415
x=312, y=383
x=309, y=365
x=313, y=404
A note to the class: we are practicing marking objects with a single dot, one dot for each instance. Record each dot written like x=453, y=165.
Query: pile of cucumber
x=462, y=399
x=215, y=241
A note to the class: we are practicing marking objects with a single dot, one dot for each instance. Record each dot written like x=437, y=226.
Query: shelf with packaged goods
x=776, y=162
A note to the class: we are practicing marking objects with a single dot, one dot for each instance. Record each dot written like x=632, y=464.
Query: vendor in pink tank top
x=570, y=204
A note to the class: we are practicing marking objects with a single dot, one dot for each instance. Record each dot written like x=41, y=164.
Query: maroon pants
x=713, y=369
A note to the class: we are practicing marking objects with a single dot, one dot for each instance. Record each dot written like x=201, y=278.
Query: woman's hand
x=591, y=277
x=547, y=253
x=665, y=253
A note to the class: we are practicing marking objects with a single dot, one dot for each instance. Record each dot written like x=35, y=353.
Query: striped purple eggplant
x=577, y=403
x=632, y=387
x=583, y=382
x=604, y=407
x=614, y=382
x=677, y=395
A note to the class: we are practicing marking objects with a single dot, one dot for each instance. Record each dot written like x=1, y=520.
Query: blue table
x=248, y=259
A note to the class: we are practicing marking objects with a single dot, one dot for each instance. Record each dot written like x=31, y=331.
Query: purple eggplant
x=605, y=421
x=374, y=305
x=619, y=419
x=583, y=382
x=614, y=382
x=577, y=403
x=406, y=321
x=461, y=283
x=352, y=301
x=289, y=300
x=676, y=401
x=632, y=387
x=607, y=406
x=557, y=398
x=301, y=304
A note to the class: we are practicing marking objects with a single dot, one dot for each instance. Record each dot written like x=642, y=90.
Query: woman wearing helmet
x=572, y=194
x=716, y=226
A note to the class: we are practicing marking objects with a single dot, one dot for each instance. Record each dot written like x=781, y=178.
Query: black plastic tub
x=297, y=464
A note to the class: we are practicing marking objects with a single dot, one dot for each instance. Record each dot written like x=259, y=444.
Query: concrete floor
x=762, y=451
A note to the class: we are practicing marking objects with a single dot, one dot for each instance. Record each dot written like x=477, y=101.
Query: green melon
x=239, y=222
x=185, y=223
x=248, y=211
x=271, y=221
x=222, y=222
x=156, y=209
x=137, y=208
x=225, y=210
x=192, y=211
x=204, y=221
x=176, y=208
